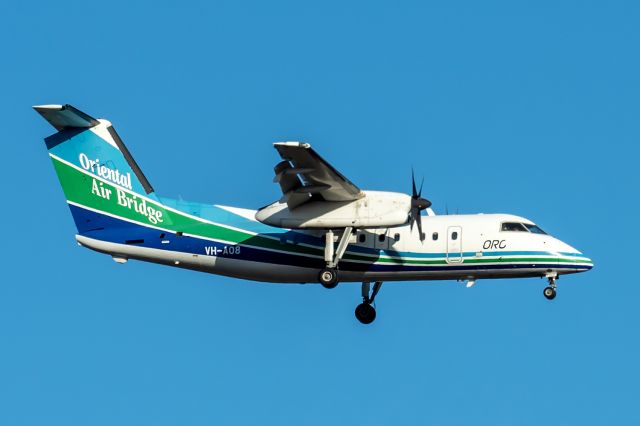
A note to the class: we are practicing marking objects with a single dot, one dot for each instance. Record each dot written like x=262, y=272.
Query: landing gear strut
x=365, y=312
x=550, y=292
x=328, y=276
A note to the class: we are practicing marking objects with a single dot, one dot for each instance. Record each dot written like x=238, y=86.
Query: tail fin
x=98, y=175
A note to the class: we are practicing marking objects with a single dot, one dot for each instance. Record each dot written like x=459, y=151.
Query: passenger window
x=513, y=227
x=362, y=238
x=435, y=236
x=381, y=238
x=396, y=237
x=454, y=235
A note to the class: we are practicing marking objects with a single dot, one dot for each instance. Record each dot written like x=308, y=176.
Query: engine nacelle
x=375, y=210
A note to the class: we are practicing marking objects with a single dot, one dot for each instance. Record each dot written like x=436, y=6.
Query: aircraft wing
x=303, y=174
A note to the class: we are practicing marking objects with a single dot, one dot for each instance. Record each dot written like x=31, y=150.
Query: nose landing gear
x=550, y=292
x=365, y=312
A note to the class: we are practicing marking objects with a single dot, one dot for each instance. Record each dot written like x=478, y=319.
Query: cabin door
x=454, y=244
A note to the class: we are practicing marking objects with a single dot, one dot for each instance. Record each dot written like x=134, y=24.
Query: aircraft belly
x=237, y=268
x=126, y=251
x=378, y=272
x=266, y=272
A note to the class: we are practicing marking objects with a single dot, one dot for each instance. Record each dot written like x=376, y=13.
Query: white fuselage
x=461, y=247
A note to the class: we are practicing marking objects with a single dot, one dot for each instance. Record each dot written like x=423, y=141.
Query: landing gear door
x=454, y=244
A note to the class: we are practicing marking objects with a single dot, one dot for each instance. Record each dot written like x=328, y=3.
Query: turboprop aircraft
x=324, y=228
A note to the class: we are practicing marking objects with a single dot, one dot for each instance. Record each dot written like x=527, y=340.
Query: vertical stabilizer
x=98, y=174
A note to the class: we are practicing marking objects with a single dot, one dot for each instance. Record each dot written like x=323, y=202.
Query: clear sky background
x=529, y=108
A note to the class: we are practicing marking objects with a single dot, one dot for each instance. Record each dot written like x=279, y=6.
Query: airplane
x=324, y=229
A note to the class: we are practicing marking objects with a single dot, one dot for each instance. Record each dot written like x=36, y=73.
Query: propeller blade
x=414, y=217
x=413, y=184
x=417, y=204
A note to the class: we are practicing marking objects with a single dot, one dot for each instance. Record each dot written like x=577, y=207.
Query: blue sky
x=521, y=107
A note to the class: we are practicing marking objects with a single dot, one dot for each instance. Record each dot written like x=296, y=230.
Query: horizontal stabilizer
x=65, y=117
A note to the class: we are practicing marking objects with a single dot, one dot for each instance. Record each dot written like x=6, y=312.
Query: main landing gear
x=328, y=276
x=550, y=292
x=365, y=312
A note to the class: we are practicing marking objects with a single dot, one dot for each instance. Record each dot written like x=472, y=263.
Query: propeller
x=417, y=205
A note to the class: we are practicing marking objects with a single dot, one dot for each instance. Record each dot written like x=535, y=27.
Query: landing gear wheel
x=365, y=313
x=549, y=293
x=328, y=277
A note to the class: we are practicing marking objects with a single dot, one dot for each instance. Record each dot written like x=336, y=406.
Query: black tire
x=549, y=293
x=365, y=313
x=328, y=277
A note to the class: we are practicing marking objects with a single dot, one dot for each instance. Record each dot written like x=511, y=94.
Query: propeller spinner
x=417, y=205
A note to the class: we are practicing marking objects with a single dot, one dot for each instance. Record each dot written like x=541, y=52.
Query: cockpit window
x=535, y=229
x=513, y=226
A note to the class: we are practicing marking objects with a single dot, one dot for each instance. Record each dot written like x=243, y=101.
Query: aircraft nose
x=575, y=256
x=585, y=262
